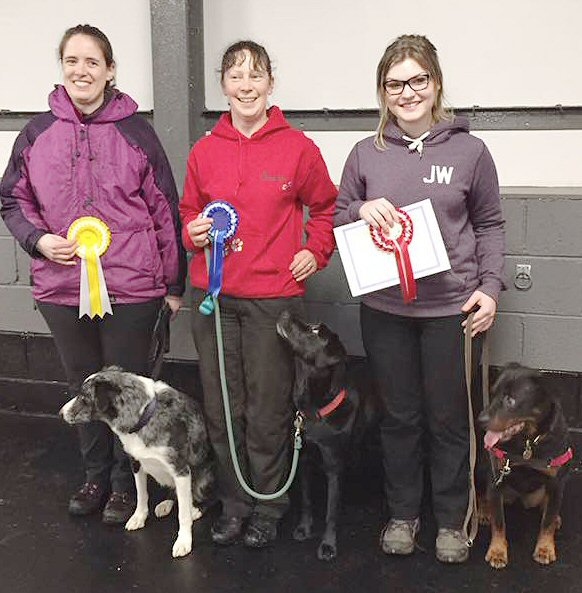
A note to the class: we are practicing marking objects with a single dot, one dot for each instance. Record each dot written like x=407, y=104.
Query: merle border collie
x=163, y=432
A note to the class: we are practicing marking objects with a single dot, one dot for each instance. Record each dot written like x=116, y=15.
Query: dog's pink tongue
x=491, y=438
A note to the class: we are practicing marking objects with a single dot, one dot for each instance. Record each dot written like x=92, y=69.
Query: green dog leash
x=298, y=423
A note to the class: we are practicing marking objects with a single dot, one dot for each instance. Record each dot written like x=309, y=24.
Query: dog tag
x=504, y=471
x=527, y=452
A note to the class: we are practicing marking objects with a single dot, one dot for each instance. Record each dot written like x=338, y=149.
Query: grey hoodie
x=457, y=173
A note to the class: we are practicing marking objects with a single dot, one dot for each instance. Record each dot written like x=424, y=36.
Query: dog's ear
x=104, y=392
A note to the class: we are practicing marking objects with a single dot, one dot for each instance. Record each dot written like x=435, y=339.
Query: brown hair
x=420, y=49
x=234, y=55
x=99, y=37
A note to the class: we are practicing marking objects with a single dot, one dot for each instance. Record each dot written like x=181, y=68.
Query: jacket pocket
x=132, y=264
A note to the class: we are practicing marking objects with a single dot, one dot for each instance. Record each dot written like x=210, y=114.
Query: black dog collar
x=146, y=415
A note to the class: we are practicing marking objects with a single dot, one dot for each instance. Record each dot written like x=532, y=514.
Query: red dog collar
x=333, y=405
x=555, y=462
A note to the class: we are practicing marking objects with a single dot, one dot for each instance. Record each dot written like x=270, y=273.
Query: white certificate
x=368, y=268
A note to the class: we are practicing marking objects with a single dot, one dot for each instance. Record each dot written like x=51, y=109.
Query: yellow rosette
x=94, y=238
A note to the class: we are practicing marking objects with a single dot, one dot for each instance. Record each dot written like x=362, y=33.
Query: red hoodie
x=268, y=178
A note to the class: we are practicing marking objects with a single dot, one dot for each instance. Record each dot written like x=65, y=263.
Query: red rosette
x=397, y=242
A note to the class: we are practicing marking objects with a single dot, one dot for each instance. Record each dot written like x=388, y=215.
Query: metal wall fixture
x=522, y=279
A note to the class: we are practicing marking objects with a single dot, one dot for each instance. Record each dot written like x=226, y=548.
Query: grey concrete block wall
x=8, y=269
x=539, y=327
x=18, y=311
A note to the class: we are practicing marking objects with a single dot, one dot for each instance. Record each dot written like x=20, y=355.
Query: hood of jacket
x=225, y=129
x=438, y=134
x=116, y=107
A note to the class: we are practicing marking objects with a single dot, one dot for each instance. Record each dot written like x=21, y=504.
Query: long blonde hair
x=420, y=49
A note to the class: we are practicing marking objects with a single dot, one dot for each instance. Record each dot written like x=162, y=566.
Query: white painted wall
x=537, y=158
x=325, y=52
x=493, y=53
x=32, y=29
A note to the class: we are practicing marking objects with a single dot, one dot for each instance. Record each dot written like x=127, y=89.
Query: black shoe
x=227, y=530
x=119, y=508
x=89, y=499
x=261, y=531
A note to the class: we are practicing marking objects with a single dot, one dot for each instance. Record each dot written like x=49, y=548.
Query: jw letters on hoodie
x=440, y=174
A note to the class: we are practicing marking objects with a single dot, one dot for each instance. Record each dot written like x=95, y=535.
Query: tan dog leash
x=471, y=522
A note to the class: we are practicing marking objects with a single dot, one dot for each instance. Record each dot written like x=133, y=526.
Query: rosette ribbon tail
x=216, y=264
x=93, y=299
x=407, y=281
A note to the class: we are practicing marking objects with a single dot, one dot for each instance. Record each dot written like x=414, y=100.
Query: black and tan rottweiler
x=529, y=450
x=336, y=416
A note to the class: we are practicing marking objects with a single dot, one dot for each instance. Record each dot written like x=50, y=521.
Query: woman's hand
x=485, y=314
x=303, y=265
x=197, y=230
x=174, y=302
x=380, y=213
x=57, y=249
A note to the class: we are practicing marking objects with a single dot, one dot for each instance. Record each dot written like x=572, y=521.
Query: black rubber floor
x=44, y=550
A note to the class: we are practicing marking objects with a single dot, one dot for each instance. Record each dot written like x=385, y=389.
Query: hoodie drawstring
x=416, y=143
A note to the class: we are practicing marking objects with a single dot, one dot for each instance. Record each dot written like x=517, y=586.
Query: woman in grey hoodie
x=415, y=349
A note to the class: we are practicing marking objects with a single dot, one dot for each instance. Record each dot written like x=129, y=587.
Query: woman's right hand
x=197, y=230
x=57, y=249
x=380, y=213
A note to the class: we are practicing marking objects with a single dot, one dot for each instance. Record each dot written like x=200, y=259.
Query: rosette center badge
x=93, y=237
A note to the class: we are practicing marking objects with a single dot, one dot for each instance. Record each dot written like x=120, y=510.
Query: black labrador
x=333, y=417
x=529, y=448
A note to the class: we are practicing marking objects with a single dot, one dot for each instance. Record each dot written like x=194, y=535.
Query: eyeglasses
x=416, y=83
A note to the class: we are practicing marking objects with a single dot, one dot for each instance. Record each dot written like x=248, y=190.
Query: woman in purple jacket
x=416, y=349
x=92, y=161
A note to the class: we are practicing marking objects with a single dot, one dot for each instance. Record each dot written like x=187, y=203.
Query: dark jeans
x=419, y=369
x=85, y=347
x=259, y=373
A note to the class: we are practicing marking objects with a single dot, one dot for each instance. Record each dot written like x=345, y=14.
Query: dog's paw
x=302, y=532
x=326, y=551
x=196, y=513
x=545, y=553
x=163, y=508
x=497, y=556
x=182, y=545
x=136, y=521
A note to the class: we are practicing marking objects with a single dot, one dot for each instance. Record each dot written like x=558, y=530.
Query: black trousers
x=418, y=365
x=259, y=373
x=85, y=347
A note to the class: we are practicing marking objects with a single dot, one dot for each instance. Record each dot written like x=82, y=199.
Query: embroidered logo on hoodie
x=440, y=174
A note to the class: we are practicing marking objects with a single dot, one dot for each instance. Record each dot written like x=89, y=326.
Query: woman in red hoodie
x=268, y=172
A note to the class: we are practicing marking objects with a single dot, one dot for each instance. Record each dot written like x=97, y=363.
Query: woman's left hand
x=303, y=265
x=174, y=302
x=485, y=313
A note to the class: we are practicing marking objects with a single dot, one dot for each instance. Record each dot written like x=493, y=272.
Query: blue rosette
x=225, y=222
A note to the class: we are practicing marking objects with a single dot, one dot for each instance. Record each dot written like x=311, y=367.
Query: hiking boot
x=89, y=499
x=451, y=546
x=227, y=530
x=119, y=508
x=398, y=536
x=261, y=531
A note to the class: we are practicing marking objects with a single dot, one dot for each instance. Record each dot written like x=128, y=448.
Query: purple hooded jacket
x=110, y=165
x=457, y=173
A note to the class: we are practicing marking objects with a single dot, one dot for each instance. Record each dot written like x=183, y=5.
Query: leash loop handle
x=471, y=522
